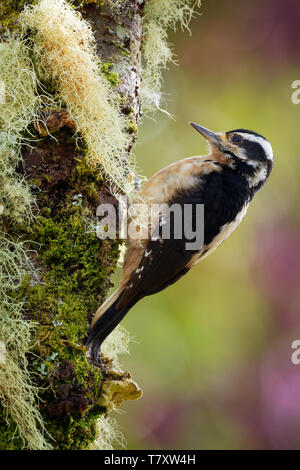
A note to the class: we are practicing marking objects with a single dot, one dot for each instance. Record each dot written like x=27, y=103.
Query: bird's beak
x=209, y=135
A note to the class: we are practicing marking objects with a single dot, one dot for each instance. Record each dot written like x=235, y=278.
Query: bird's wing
x=163, y=188
x=163, y=261
x=165, y=264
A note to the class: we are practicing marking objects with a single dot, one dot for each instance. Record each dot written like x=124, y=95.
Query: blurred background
x=213, y=352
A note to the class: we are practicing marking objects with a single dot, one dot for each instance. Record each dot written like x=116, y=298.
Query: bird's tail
x=107, y=317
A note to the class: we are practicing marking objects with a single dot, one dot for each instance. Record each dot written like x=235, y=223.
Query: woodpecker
x=224, y=181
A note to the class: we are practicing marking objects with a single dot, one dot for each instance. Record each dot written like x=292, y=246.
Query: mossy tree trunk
x=74, y=265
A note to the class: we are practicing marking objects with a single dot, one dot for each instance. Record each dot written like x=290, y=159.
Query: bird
x=224, y=182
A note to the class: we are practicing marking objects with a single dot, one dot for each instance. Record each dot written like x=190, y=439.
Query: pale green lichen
x=18, y=395
x=109, y=435
x=62, y=38
x=116, y=344
x=18, y=107
x=160, y=15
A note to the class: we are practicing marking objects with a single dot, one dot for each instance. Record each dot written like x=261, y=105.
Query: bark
x=75, y=267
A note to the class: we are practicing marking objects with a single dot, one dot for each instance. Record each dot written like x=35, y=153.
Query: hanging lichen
x=160, y=15
x=18, y=108
x=109, y=435
x=18, y=395
x=61, y=39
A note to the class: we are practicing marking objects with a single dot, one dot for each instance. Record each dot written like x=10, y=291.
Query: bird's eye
x=236, y=139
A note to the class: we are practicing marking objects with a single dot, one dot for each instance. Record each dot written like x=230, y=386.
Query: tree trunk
x=74, y=265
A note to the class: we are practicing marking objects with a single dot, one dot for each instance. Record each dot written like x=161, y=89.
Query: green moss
x=76, y=269
x=112, y=77
x=82, y=3
x=9, y=12
x=124, y=52
x=7, y=429
x=132, y=127
x=63, y=306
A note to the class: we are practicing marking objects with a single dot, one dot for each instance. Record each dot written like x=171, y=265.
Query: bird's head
x=247, y=152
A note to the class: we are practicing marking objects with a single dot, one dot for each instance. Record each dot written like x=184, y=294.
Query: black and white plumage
x=224, y=181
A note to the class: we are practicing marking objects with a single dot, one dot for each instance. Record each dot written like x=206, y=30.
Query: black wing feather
x=223, y=196
x=167, y=259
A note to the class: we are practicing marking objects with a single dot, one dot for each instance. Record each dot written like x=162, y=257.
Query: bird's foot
x=93, y=354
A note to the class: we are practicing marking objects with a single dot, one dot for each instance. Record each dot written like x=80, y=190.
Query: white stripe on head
x=258, y=177
x=261, y=141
